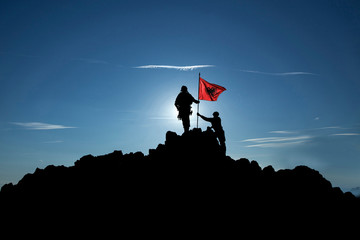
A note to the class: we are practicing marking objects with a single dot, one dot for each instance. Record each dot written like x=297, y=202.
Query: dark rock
x=187, y=180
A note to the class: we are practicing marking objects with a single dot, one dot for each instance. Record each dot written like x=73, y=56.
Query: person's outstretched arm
x=194, y=100
x=203, y=117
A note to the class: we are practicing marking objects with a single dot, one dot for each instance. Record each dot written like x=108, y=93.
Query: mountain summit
x=188, y=178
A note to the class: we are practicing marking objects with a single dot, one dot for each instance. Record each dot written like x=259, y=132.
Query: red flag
x=209, y=91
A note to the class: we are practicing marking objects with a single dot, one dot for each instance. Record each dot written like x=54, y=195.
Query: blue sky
x=85, y=77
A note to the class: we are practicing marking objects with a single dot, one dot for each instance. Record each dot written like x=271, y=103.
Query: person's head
x=183, y=89
x=216, y=114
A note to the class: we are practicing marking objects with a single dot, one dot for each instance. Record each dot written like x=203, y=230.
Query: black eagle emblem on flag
x=211, y=91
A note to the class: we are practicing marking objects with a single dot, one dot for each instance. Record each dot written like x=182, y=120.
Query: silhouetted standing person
x=216, y=125
x=183, y=104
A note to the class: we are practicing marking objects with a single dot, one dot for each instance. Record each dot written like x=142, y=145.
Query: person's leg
x=221, y=137
x=223, y=147
x=186, y=123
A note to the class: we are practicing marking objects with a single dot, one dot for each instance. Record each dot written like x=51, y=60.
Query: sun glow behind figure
x=167, y=114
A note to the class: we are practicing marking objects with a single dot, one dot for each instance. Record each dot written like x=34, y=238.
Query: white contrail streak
x=345, y=134
x=40, y=126
x=276, y=141
x=279, y=73
x=181, y=68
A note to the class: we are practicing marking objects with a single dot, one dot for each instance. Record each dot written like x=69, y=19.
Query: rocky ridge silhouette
x=188, y=177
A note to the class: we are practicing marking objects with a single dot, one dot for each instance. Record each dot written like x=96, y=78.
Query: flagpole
x=197, y=119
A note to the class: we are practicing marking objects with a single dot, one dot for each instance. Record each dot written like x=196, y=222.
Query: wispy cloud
x=181, y=68
x=332, y=127
x=278, y=73
x=40, y=126
x=281, y=144
x=302, y=136
x=282, y=132
x=345, y=134
x=276, y=141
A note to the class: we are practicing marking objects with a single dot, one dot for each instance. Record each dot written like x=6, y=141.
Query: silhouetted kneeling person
x=216, y=125
x=183, y=104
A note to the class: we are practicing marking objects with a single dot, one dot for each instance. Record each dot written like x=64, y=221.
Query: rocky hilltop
x=187, y=181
